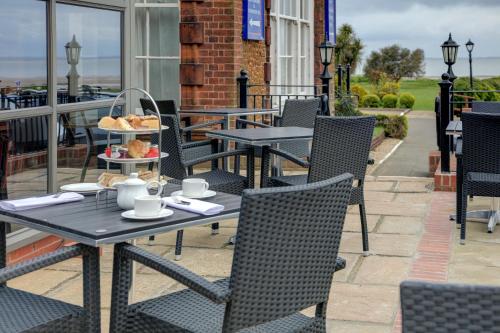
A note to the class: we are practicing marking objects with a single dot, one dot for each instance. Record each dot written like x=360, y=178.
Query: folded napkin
x=37, y=202
x=195, y=206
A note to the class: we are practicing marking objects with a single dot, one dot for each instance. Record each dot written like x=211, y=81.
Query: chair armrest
x=371, y=161
x=277, y=120
x=40, y=262
x=290, y=157
x=249, y=122
x=202, y=125
x=216, y=156
x=458, y=148
x=192, y=144
x=340, y=264
x=214, y=292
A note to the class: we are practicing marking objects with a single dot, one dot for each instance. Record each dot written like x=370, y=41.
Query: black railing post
x=446, y=115
x=243, y=89
x=339, y=80
x=348, y=79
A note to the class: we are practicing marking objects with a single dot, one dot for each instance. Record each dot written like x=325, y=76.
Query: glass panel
x=97, y=72
x=80, y=141
x=164, y=32
x=288, y=8
x=164, y=79
x=23, y=55
x=304, y=9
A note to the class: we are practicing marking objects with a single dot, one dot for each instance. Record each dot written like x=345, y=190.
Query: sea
x=33, y=70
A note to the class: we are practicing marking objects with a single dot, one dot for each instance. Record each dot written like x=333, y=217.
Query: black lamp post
x=450, y=51
x=326, y=52
x=470, y=47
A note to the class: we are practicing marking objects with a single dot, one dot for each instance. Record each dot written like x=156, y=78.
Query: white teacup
x=194, y=187
x=148, y=206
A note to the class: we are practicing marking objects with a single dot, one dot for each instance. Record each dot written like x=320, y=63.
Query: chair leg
x=463, y=216
x=215, y=228
x=151, y=240
x=364, y=228
x=178, y=245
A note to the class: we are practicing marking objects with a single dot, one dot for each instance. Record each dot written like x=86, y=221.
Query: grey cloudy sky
x=424, y=24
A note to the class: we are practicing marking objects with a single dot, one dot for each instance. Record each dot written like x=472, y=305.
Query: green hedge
x=406, y=101
x=394, y=126
x=390, y=101
x=370, y=101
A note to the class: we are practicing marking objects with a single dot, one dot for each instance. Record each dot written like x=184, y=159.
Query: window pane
x=96, y=69
x=80, y=141
x=23, y=55
x=164, y=32
x=304, y=9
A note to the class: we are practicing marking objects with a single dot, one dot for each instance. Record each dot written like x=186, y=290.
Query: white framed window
x=157, y=60
x=292, y=45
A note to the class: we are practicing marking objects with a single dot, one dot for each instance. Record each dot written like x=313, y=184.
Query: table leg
x=225, y=160
x=3, y=246
x=492, y=216
x=264, y=166
x=91, y=289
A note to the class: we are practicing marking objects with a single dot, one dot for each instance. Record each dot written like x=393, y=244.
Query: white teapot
x=134, y=187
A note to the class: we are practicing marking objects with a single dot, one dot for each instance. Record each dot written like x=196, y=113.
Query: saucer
x=130, y=214
x=82, y=188
x=207, y=194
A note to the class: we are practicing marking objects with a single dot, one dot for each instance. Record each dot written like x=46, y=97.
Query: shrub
x=462, y=84
x=390, y=101
x=370, y=101
x=344, y=107
x=394, y=126
x=359, y=91
x=388, y=88
x=406, y=101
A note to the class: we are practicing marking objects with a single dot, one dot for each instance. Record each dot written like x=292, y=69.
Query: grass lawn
x=424, y=90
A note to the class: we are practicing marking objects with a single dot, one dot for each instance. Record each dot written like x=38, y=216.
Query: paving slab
x=421, y=197
x=381, y=244
x=353, y=222
x=379, y=186
x=383, y=270
x=474, y=274
x=206, y=262
x=400, y=225
x=352, y=261
x=379, y=196
x=338, y=326
x=396, y=208
x=199, y=237
x=365, y=303
x=42, y=282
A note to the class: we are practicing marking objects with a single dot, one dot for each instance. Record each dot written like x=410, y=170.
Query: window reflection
x=88, y=53
x=23, y=54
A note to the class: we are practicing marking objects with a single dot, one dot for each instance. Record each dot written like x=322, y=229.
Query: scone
x=107, y=122
x=137, y=149
x=122, y=124
x=134, y=121
x=151, y=123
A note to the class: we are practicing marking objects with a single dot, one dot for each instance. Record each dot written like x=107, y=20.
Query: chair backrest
x=481, y=142
x=286, y=246
x=300, y=112
x=449, y=308
x=340, y=145
x=173, y=165
x=485, y=107
x=165, y=106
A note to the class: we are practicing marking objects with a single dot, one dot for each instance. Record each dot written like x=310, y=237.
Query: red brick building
x=213, y=50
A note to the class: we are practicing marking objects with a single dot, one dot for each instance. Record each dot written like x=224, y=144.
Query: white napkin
x=196, y=206
x=37, y=202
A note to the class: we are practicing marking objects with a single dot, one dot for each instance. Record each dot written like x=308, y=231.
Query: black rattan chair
x=21, y=311
x=282, y=265
x=478, y=162
x=340, y=144
x=176, y=164
x=449, y=308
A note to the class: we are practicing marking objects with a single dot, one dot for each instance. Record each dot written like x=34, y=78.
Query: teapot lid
x=134, y=179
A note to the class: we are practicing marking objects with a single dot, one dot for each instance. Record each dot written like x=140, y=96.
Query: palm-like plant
x=349, y=47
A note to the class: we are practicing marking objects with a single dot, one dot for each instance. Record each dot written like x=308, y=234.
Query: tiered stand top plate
x=131, y=160
x=135, y=131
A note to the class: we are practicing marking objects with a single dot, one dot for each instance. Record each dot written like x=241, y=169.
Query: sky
x=424, y=24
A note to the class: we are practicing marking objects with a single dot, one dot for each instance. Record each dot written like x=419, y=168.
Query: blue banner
x=253, y=19
x=331, y=20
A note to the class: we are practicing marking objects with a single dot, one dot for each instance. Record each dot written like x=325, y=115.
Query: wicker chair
x=340, y=144
x=282, y=265
x=478, y=165
x=21, y=311
x=485, y=107
x=449, y=308
x=176, y=164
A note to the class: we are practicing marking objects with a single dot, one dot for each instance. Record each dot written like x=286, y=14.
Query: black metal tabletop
x=228, y=111
x=263, y=136
x=94, y=223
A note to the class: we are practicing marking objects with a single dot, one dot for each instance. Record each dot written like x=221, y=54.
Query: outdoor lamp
x=326, y=52
x=450, y=51
x=470, y=46
x=73, y=50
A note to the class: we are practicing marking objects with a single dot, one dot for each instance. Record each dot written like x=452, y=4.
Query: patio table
x=226, y=114
x=491, y=216
x=264, y=137
x=96, y=223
